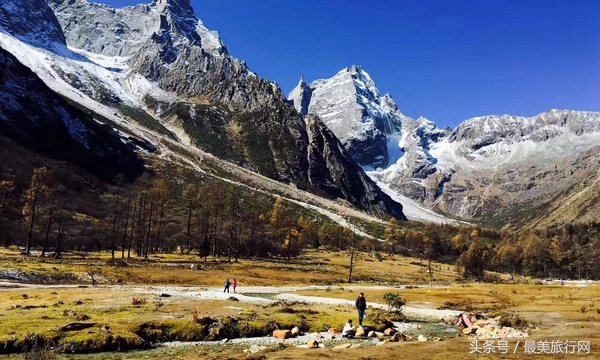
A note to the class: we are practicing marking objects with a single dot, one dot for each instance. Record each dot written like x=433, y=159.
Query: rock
x=255, y=348
x=282, y=334
x=312, y=344
x=360, y=332
x=342, y=346
x=354, y=346
x=296, y=331
x=224, y=341
x=333, y=331
x=194, y=267
x=396, y=337
x=316, y=336
x=469, y=330
x=389, y=332
x=381, y=343
x=379, y=334
x=372, y=334
x=328, y=336
x=422, y=338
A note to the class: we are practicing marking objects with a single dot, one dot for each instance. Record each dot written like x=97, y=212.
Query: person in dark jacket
x=361, y=306
x=227, y=283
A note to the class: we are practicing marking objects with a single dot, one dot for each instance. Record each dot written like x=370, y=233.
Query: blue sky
x=445, y=60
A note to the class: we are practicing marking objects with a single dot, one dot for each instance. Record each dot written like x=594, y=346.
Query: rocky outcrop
x=166, y=43
x=221, y=106
x=350, y=105
x=36, y=24
x=497, y=170
x=331, y=169
x=56, y=127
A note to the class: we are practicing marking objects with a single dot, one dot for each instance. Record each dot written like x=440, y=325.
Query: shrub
x=393, y=301
x=116, y=262
x=513, y=320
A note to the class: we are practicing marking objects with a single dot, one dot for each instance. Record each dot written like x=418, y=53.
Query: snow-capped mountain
x=374, y=131
x=350, y=105
x=490, y=168
x=153, y=75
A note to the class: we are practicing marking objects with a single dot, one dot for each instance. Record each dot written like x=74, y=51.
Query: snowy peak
x=483, y=131
x=369, y=125
x=127, y=31
x=300, y=97
x=31, y=21
x=184, y=5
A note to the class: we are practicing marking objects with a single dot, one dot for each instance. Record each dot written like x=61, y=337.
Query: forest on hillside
x=52, y=209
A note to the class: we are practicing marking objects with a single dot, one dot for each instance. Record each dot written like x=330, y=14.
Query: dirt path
x=286, y=293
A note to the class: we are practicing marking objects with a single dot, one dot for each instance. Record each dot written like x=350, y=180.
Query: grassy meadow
x=126, y=309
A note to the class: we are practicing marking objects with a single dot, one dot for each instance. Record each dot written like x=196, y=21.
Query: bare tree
x=38, y=187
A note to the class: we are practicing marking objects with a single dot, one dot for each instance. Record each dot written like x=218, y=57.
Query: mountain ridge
x=173, y=65
x=460, y=172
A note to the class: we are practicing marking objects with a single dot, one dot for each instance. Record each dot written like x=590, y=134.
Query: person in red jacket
x=234, y=284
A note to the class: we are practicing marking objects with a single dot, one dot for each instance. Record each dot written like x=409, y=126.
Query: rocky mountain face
x=350, y=105
x=55, y=127
x=155, y=71
x=35, y=22
x=499, y=170
x=372, y=128
x=510, y=170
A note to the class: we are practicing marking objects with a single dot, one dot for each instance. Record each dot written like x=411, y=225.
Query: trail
x=283, y=293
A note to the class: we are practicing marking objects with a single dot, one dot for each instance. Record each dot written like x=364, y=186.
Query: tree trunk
x=132, y=230
x=125, y=229
x=189, y=226
x=59, y=234
x=430, y=273
x=351, y=265
x=115, y=227
x=30, y=232
x=48, y=227
x=148, y=231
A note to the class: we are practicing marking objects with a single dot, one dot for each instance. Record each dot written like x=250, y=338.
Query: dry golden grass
x=559, y=312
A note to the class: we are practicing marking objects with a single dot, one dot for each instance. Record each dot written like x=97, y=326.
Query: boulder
x=469, y=330
x=360, y=332
x=312, y=344
x=422, y=338
x=342, y=346
x=254, y=348
x=333, y=331
x=296, y=331
x=389, y=332
x=379, y=334
x=316, y=336
x=398, y=337
x=371, y=334
x=282, y=334
x=382, y=342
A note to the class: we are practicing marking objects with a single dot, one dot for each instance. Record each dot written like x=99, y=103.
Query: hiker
x=234, y=284
x=349, y=330
x=227, y=283
x=464, y=321
x=361, y=306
